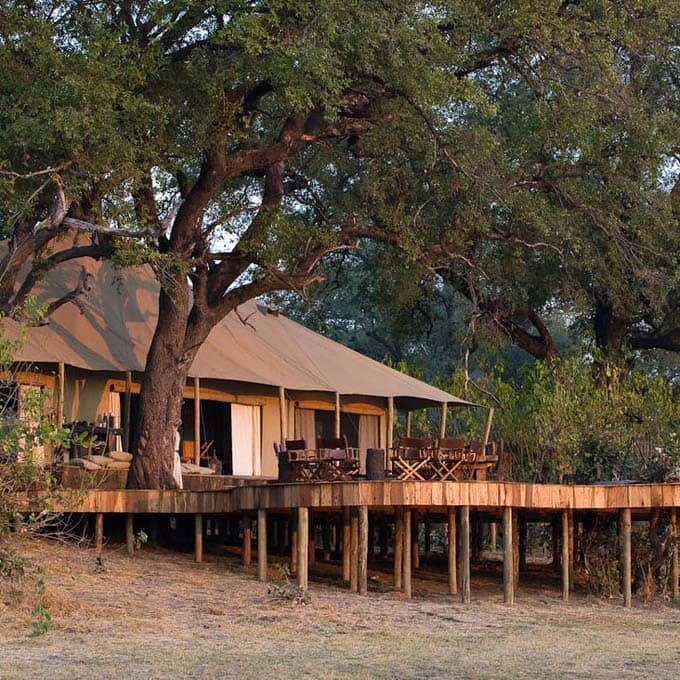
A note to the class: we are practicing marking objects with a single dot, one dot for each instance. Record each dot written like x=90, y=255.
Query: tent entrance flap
x=246, y=440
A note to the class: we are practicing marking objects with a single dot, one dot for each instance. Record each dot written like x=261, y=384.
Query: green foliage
x=596, y=422
x=140, y=538
x=40, y=613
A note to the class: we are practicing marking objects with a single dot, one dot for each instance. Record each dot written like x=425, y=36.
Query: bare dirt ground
x=159, y=615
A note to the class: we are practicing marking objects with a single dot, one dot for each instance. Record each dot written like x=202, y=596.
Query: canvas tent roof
x=112, y=330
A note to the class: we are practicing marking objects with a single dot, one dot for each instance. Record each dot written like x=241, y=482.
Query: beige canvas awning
x=111, y=329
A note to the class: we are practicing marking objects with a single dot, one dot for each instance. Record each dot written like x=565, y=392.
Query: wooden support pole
x=294, y=546
x=493, y=536
x=675, y=562
x=406, y=552
x=515, y=546
x=197, y=420
x=442, y=420
x=127, y=408
x=337, y=414
x=398, y=547
x=198, y=538
x=262, y=545
x=390, y=431
x=487, y=429
x=247, y=540
x=626, y=567
x=465, y=553
x=362, y=567
x=346, y=543
x=572, y=549
x=283, y=415
x=60, y=393
x=130, y=533
x=565, y=555
x=303, y=546
x=453, y=577
x=409, y=419
x=508, y=560
x=354, y=552
x=98, y=533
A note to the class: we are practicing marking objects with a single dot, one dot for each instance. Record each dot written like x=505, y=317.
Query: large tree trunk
x=167, y=366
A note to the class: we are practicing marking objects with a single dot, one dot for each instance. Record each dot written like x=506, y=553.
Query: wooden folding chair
x=412, y=458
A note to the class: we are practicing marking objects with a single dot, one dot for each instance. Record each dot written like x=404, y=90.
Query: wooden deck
x=400, y=503
x=383, y=494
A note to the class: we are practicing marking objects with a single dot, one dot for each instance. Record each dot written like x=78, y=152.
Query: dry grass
x=160, y=615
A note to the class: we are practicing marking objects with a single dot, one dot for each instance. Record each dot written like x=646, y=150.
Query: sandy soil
x=159, y=615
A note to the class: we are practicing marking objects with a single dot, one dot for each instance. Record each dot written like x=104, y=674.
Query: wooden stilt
x=626, y=567
x=493, y=536
x=453, y=577
x=406, y=552
x=354, y=552
x=362, y=567
x=262, y=545
x=303, y=546
x=465, y=553
x=675, y=562
x=198, y=538
x=346, y=545
x=508, y=561
x=398, y=547
x=247, y=540
x=130, y=533
x=334, y=537
x=565, y=555
x=98, y=533
x=515, y=546
x=442, y=421
x=294, y=546
x=409, y=419
x=572, y=551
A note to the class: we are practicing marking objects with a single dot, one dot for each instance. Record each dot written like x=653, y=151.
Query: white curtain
x=305, y=427
x=369, y=436
x=246, y=440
